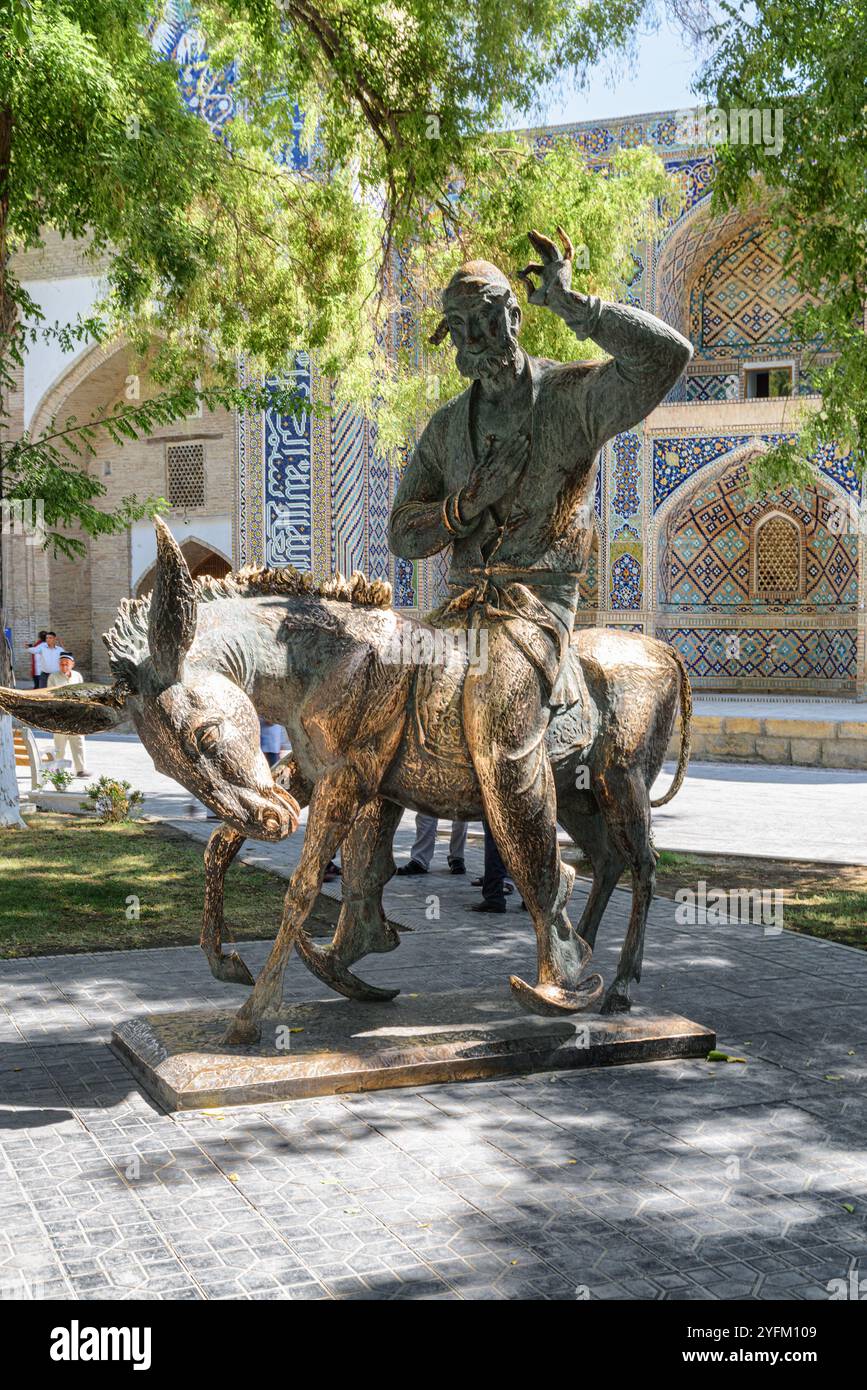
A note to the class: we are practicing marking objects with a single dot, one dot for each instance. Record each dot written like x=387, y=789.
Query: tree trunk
x=10, y=813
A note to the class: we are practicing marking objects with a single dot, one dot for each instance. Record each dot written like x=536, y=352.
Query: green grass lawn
x=827, y=900
x=64, y=885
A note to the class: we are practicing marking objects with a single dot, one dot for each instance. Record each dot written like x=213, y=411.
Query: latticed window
x=185, y=475
x=778, y=560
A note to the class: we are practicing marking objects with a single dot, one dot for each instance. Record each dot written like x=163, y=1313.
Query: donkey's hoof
x=243, y=1032
x=230, y=969
x=616, y=1001
x=328, y=968
x=553, y=999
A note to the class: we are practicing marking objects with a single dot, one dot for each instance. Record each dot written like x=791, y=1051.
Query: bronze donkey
x=371, y=735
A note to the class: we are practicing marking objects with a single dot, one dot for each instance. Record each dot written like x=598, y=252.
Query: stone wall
x=745, y=738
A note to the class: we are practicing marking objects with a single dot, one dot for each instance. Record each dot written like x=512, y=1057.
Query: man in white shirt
x=66, y=675
x=47, y=656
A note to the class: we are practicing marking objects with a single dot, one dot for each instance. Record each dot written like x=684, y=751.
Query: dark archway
x=202, y=560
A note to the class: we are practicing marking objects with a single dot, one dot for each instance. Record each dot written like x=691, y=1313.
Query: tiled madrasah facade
x=760, y=596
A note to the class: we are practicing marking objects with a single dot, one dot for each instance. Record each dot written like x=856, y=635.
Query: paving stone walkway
x=689, y=1180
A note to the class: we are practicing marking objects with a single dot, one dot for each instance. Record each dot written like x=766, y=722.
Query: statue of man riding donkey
x=556, y=725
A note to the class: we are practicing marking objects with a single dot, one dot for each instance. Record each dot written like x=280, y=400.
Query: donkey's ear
x=68, y=709
x=172, y=617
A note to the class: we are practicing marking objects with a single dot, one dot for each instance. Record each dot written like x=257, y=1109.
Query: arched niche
x=203, y=560
x=705, y=537
x=740, y=301
x=685, y=250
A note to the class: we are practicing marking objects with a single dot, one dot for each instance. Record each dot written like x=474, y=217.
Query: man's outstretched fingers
x=544, y=245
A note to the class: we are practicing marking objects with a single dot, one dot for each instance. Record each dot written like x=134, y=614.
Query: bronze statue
x=558, y=724
x=197, y=660
x=505, y=474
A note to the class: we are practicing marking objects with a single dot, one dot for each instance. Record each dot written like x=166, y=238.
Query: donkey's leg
x=362, y=927
x=505, y=721
x=220, y=851
x=336, y=801
x=562, y=954
x=590, y=835
x=625, y=803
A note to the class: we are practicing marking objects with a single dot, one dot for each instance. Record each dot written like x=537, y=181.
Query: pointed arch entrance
x=202, y=559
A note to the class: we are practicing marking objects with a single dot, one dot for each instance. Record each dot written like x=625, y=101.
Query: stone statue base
x=335, y=1046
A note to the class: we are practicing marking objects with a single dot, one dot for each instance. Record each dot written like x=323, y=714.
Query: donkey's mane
x=127, y=640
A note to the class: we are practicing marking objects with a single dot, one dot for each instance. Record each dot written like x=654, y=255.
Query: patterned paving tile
x=675, y=1180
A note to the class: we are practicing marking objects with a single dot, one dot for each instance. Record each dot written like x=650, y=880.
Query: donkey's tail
x=685, y=733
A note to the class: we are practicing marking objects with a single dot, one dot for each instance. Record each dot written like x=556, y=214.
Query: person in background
x=47, y=655
x=271, y=740
x=495, y=885
x=422, y=852
x=34, y=660
x=66, y=675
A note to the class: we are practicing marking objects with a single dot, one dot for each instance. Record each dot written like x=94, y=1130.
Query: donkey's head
x=198, y=725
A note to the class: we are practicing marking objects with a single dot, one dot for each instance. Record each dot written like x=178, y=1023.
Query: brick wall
x=79, y=597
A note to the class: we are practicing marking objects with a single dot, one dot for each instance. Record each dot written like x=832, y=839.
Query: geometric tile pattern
x=773, y=653
x=677, y=458
x=708, y=560
x=627, y=452
x=742, y=299
x=348, y=490
x=704, y=1183
x=687, y=246
x=379, y=504
x=725, y=387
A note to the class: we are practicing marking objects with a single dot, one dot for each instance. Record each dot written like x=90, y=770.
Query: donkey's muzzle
x=293, y=810
x=272, y=817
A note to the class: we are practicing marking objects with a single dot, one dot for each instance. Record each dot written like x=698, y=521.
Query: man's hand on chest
x=497, y=471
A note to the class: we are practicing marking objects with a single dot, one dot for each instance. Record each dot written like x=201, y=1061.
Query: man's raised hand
x=555, y=270
x=496, y=472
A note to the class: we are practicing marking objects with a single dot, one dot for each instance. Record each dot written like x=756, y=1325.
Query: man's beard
x=502, y=360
